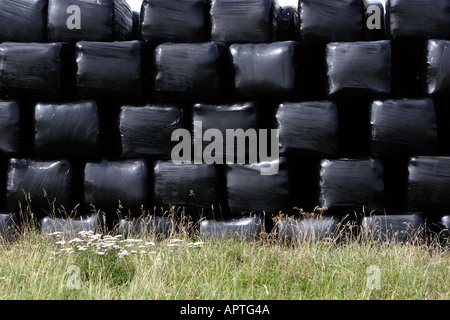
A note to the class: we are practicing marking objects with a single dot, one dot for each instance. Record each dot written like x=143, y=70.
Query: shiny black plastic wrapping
x=250, y=191
x=309, y=128
x=124, y=21
x=110, y=69
x=71, y=227
x=235, y=21
x=323, y=21
x=265, y=71
x=359, y=69
x=33, y=177
x=394, y=228
x=190, y=72
x=147, y=130
x=429, y=183
x=307, y=229
x=403, y=127
x=10, y=127
x=23, y=20
x=419, y=18
x=66, y=130
x=444, y=225
x=437, y=68
x=109, y=182
x=222, y=117
x=174, y=21
x=153, y=225
x=41, y=70
x=351, y=184
x=242, y=229
x=285, y=23
x=185, y=185
x=8, y=225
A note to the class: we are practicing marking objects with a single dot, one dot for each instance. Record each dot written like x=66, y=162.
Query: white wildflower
x=150, y=243
x=175, y=240
x=61, y=242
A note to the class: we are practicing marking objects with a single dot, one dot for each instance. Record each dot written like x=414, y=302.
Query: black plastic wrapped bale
x=351, y=184
x=225, y=117
x=395, y=228
x=445, y=227
x=110, y=69
x=44, y=181
x=265, y=70
x=419, y=18
x=404, y=127
x=10, y=127
x=308, y=229
x=109, y=182
x=242, y=229
x=323, y=21
x=308, y=128
x=190, y=72
x=174, y=21
x=40, y=70
x=236, y=21
x=429, y=183
x=147, y=130
x=71, y=227
x=66, y=130
x=249, y=190
x=88, y=20
x=23, y=20
x=285, y=22
x=437, y=69
x=8, y=225
x=359, y=69
x=192, y=186
x=153, y=225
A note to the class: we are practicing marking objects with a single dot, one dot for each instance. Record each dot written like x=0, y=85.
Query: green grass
x=222, y=269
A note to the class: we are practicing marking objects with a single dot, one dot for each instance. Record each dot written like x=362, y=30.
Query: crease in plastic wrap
x=71, y=227
x=190, y=72
x=359, y=69
x=110, y=69
x=10, y=127
x=323, y=21
x=185, y=185
x=395, y=228
x=419, y=19
x=307, y=229
x=437, y=67
x=429, y=183
x=108, y=182
x=309, y=128
x=265, y=71
x=174, y=21
x=249, y=191
x=66, y=130
x=223, y=117
x=351, y=184
x=33, y=177
x=403, y=127
x=236, y=21
x=242, y=229
x=147, y=130
x=23, y=20
x=40, y=70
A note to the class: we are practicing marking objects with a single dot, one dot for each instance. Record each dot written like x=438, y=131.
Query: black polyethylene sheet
x=71, y=227
x=33, y=177
x=351, y=183
x=264, y=70
x=147, y=130
x=108, y=182
x=8, y=224
x=429, y=183
x=10, y=130
x=173, y=21
x=359, y=69
x=419, y=18
x=397, y=228
x=323, y=21
x=307, y=229
x=153, y=225
x=437, y=67
x=403, y=127
x=23, y=20
x=110, y=69
x=66, y=130
x=308, y=127
x=236, y=21
x=244, y=228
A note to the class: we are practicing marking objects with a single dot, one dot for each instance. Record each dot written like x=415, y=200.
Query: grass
x=184, y=265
